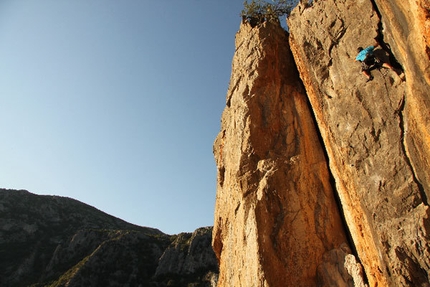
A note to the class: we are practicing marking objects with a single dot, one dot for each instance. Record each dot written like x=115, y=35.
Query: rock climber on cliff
x=369, y=61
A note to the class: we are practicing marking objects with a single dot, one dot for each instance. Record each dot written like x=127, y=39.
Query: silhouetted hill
x=59, y=241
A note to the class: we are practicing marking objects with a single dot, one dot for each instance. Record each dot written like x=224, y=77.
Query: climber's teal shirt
x=363, y=53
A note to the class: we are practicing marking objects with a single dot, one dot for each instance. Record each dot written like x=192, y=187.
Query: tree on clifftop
x=258, y=11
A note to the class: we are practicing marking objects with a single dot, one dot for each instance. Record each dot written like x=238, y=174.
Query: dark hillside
x=58, y=241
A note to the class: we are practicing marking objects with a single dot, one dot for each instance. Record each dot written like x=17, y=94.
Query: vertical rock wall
x=376, y=133
x=275, y=213
x=406, y=27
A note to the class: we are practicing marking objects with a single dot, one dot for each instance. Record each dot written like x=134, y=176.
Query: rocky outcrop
x=275, y=213
x=276, y=219
x=190, y=254
x=58, y=241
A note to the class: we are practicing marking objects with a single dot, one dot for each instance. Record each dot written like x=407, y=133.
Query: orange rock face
x=407, y=30
x=275, y=213
x=376, y=133
x=276, y=219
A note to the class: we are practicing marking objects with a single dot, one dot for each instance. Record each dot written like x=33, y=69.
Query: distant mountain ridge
x=59, y=241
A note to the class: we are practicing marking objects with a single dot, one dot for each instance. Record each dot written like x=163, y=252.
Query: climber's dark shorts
x=370, y=63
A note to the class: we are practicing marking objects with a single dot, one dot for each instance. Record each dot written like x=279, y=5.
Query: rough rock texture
x=406, y=27
x=188, y=255
x=275, y=213
x=58, y=241
x=340, y=268
x=376, y=134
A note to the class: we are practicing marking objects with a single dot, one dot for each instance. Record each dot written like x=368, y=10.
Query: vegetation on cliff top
x=258, y=11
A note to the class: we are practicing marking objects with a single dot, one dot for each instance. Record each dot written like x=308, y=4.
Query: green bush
x=258, y=11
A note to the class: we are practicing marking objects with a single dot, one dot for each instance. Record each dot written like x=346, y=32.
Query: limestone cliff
x=406, y=29
x=279, y=219
x=275, y=213
x=375, y=133
x=190, y=254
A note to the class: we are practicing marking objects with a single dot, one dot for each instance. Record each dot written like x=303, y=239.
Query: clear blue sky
x=116, y=103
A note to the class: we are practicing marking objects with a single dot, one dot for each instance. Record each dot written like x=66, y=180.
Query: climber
x=369, y=61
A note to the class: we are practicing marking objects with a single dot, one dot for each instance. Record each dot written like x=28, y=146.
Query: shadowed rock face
x=375, y=133
x=58, y=241
x=275, y=212
x=189, y=255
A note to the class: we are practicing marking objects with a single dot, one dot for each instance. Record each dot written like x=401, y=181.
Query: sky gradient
x=117, y=103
